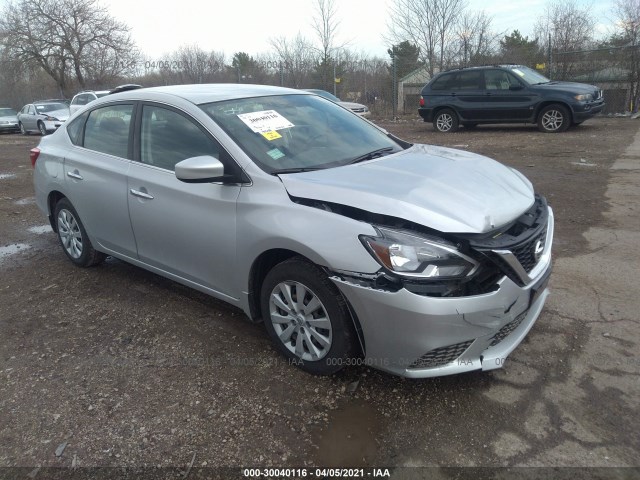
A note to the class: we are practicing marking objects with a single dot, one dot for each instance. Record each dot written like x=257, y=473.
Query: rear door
x=507, y=99
x=96, y=175
x=468, y=94
x=185, y=229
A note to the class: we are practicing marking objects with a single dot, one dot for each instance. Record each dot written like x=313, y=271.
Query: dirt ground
x=116, y=367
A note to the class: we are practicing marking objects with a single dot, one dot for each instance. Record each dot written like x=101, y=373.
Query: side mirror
x=204, y=169
x=515, y=87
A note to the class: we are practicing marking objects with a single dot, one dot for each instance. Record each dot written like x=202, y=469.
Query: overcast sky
x=246, y=25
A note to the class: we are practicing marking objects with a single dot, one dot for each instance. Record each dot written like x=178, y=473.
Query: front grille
x=505, y=331
x=441, y=356
x=526, y=253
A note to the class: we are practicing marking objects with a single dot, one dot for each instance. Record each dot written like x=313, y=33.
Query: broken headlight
x=416, y=256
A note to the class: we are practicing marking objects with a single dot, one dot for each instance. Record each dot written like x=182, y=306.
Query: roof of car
x=482, y=67
x=210, y=92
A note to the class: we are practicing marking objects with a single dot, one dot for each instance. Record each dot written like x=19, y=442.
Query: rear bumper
x=426, y=114
x=9, y=127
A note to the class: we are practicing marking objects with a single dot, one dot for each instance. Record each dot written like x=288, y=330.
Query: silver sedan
x=351, y=245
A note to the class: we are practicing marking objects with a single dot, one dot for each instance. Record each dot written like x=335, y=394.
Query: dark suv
x=506, y=94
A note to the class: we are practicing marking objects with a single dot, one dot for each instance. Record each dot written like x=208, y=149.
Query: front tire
x=554, y=119
x=42, y=128
x=306, y=317
x=446, y=121
x=73, y=237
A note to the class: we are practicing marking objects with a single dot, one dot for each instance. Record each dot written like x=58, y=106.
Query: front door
x=185, y=229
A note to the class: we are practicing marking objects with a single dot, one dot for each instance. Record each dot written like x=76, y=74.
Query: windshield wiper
x=296, y=170
x=370, y=156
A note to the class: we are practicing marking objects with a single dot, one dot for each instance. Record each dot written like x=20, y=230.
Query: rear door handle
x=140, y=194
x=75, y=175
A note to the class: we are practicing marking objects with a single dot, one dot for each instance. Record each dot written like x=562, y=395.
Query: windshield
x=50, y=107
x=529, y=75
x=7, y=112
x=289, y=132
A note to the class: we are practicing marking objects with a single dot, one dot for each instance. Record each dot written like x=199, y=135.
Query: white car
x=86, y=97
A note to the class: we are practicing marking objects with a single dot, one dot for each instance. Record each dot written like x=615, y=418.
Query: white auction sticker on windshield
x=265, y=121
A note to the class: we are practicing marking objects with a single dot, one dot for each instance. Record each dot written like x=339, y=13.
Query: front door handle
x=140, y=194
x=75, y=175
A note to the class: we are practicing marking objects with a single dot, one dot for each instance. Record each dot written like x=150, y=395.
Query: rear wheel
x=554, y=119
x=306, y=317
x=42, y=128
x=23, y=130
x=73, y=237
x=446, y=121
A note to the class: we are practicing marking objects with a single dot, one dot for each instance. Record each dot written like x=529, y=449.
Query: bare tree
x=569, y=28
x=478, y=42
x=326, y=24
x=429, y=24
x=295, y=58
x=68, y=39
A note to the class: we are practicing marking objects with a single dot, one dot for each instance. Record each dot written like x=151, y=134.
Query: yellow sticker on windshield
x=272, y=135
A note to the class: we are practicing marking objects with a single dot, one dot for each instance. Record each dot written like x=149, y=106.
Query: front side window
x=499, y=80
x=32, y=110
x=107, y=130
x=168, y=137
x=286, y=132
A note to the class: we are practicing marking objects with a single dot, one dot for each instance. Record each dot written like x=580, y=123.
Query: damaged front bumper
x=421, y=336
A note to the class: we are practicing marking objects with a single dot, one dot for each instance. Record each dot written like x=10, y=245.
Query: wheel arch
x=52, y=199
x=546, y=103
x=263, y=264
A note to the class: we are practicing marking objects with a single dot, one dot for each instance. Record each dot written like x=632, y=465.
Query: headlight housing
x=417, y=256
x=50, y=119
x=584, y=98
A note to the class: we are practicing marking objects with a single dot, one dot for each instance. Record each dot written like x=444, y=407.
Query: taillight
x=422, y=101
x=33, y=156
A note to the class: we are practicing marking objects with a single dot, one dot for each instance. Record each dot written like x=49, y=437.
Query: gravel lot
x=130, y=369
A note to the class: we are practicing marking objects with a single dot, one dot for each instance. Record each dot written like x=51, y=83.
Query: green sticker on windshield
x=275, y=154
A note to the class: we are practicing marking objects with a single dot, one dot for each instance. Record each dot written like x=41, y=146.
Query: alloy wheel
x=552, y=120
x=70, y=234
x=445, y=122
x=300, y=320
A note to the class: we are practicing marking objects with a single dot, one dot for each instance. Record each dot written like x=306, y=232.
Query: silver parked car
x=8, y=120
x=42, y=117
x=353, y=246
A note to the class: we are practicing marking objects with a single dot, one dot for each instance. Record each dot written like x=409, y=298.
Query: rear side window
x=459, y=81
x=107, y=130
x=469, y=80
x=444, y=82
x=74, y=129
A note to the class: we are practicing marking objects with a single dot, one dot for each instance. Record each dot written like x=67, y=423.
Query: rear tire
x=554, y=118
x=73, y=237
x=307, y=318
x=23, y=130
x=446, y=121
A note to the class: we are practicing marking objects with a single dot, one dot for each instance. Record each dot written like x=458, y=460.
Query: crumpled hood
x=62, y=114
x=441, y=188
